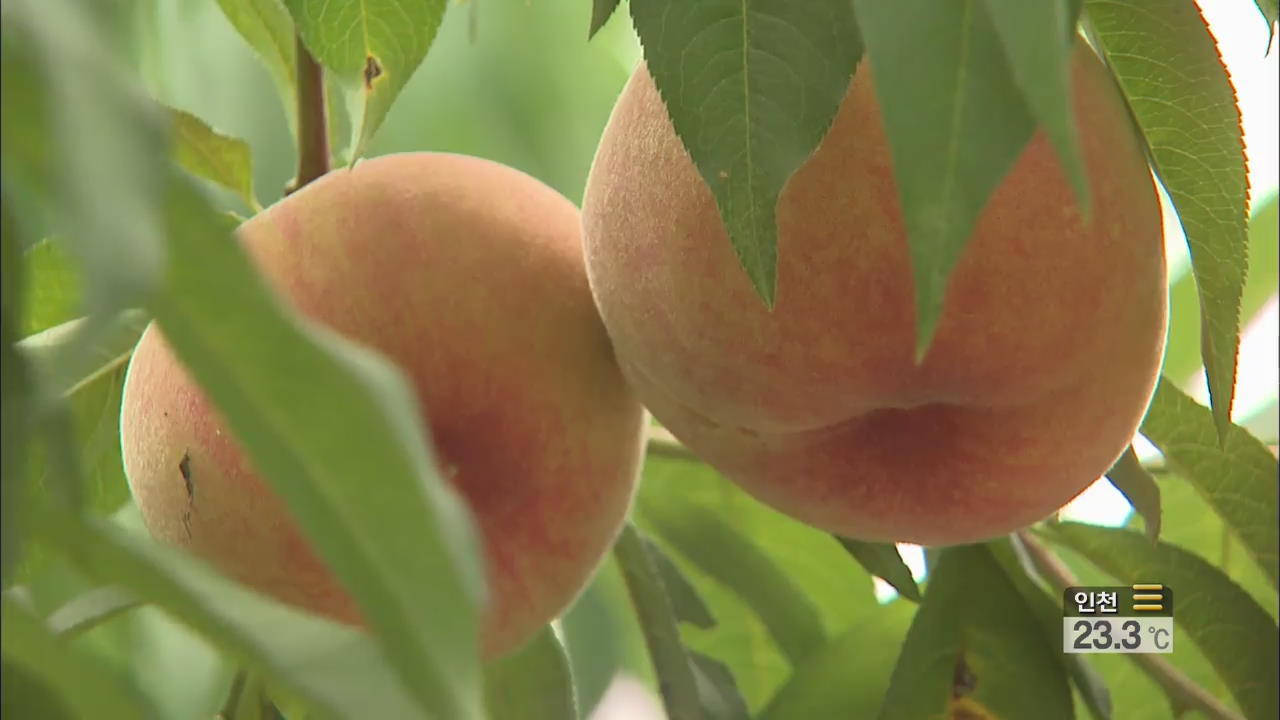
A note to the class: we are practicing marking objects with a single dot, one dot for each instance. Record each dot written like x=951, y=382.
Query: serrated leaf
x=885, y=562
x=1177, y=87
x=1237, y=636
x=751, y=87
x=267, y=27
x=974, y=626
x=205, y=153
x=685, y=602
x=955, y=122
x=720, y=551
x=1139, y=487
x=1038, y=38
x=1236, y=474
x=532, y=683
x=340, y=671
x=601, y=11
x=83, y=684
x=407, y=554
x=821, y=686
x=1182, y=354
x=374, y=44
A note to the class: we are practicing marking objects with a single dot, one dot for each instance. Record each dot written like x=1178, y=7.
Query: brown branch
x=313, y=127
x=1182, y=691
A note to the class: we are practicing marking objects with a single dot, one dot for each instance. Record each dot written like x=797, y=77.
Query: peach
x=469, y=276
x=1044, y=361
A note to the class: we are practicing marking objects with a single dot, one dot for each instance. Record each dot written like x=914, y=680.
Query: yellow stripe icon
x=1148, y=598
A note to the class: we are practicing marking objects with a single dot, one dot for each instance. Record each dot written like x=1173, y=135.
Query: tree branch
x=313, y=126
x=1182, y=691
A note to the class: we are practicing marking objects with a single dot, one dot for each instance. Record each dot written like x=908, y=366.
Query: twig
x=313, y=126
x=676, y=682
x=1182, y=691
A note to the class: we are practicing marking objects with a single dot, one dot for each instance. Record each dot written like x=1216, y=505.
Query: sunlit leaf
x=1236, y=474
x=1159, y=50
x=1182, y=354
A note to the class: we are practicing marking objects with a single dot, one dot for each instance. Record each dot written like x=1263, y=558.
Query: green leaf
x=1268, y=10
x=531, y=684
x=685, y=602
x=25, y=696
x=1182, y=355
x=955, y=121
x=671, y=663
x=848, y=678
x=974, y=632
x=813, y=564
x=601, y=637
x=52, y=287
x=1236, y=475
x=205, y=153
x=100, y=178
x=314, y=411
x=340, y=671
x=601, y=11
x=1138, y=487
x=376, y=45
x=85, y=686
x=719, y=550
x=1038, y=38
x=1161, y=50
x=717, y=690
x=267, y=27
x=88, y=381
x=89, y=609
x=884, y=561
x=15, y=398
x=1237, y=636
x=751, y=87
x=1048, y=612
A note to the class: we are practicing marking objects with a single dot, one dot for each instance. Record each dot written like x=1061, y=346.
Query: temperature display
x=1122, y=619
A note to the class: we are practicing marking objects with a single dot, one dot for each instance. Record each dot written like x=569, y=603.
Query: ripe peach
x=1044, y=361
x=468, y=275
